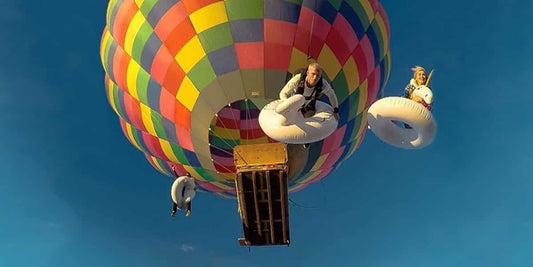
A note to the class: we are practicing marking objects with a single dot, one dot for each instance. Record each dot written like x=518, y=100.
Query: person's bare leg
x=188, y=209
x=174, y=209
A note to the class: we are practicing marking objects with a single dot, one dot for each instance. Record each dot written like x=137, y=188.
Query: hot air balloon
x=188, y=78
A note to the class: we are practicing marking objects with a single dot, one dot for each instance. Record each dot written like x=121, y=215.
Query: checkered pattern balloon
x=188, y=78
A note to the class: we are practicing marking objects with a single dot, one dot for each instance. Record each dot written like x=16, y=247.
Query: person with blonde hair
x=419, y=79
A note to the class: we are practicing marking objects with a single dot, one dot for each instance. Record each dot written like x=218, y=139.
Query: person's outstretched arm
x=328, y=91
x=288, y=89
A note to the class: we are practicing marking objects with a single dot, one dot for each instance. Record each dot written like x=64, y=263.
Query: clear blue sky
x=74, y=192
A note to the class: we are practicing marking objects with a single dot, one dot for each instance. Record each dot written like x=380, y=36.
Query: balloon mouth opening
x=234, y=124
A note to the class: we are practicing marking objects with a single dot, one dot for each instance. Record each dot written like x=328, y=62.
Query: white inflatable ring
x=382, y=114
x=182, y=191
x=289, y=126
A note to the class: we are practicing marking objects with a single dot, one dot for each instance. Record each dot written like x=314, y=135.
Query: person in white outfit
x=311, y=85
x=182, y=192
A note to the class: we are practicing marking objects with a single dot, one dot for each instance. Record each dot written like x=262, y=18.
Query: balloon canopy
x=188, y=78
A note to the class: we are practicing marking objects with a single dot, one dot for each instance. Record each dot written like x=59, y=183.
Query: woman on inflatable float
x=298, y=117
x=413, y=109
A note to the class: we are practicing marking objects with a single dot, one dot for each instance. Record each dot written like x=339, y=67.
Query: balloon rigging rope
x=234, y=121
x=225, y=129
x=224, y=151
x=221, y=149
x=224, y=140
x=311, y=207
x=227, y=132
x=301, y=206
x=248, y=116
x=311, y=33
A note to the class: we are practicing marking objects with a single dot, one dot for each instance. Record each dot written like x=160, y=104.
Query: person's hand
x=418, y=99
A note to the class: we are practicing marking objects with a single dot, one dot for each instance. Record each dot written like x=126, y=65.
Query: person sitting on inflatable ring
x=182, y=192
x=420, y=78
x=311, y=85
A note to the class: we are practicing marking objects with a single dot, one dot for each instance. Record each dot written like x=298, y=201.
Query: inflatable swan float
x=282, y=121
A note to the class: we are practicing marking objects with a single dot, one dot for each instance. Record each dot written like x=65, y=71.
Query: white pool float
x=283, y=121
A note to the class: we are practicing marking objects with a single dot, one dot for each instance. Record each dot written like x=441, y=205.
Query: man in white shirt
x=311, y=85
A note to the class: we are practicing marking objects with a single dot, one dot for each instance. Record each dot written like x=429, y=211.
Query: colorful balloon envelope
x=188, y=78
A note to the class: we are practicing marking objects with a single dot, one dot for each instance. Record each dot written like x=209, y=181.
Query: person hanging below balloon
x=182, y=192
x=418, y=88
